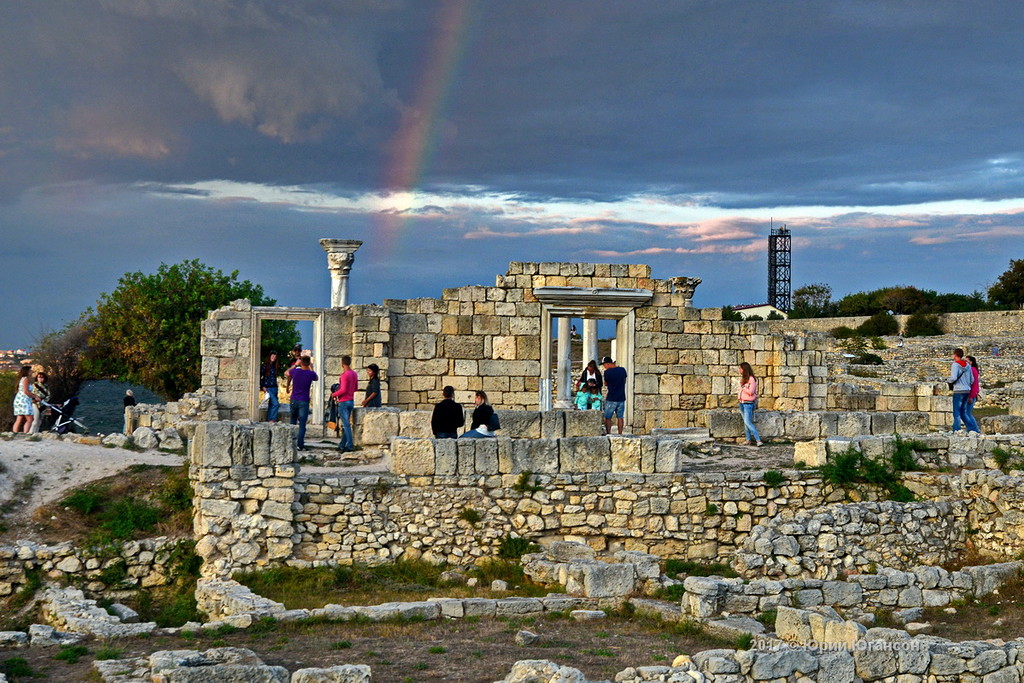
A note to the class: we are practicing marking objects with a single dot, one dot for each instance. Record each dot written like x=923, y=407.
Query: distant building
x=760, y=310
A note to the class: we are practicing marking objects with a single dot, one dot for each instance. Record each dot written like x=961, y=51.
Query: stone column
x=340, y=255
x=590, y=342
x=564, y=368
x=685, y=286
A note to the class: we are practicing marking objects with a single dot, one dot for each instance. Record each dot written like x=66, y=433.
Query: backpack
x=494, y=424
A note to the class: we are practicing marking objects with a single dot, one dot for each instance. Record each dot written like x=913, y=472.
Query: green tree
x=61, y=352
x=147, y=330
x=1008, y=289
x=812, y=301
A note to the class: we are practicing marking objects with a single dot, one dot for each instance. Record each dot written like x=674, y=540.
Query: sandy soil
x=58, y=466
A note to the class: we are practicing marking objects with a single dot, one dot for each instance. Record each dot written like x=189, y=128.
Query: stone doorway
x=559, y=305
x=314, y=315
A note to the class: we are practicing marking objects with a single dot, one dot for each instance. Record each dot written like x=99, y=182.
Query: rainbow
x=416, y=139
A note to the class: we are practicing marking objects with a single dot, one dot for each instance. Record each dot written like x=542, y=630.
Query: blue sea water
x=101, y=407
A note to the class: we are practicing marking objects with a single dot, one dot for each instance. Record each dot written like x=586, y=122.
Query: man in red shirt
x=346, y=395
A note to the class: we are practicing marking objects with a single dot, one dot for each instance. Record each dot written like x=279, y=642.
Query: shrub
x=865, y=358
x=524, y=485
x=513, y=547
x=851, y=467
x=773, y=479
x=880, y=324
x=86, y=500
x=470, y=516
x=843, y=332
x=878, y=344
x=923, y=325
x=71, y=653
x=1005, y=457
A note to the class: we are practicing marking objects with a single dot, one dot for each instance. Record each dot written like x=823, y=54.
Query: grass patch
x=105, y=653
x=175, y=603
x=360, y=584
x=18, y=667
x=513, y=547
x=1007, y=458
x=773, y=479
x=71, y=653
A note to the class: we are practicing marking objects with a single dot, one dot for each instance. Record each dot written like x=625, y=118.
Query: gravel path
x=58, y=466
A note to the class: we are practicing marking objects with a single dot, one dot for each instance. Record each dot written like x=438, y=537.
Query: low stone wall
x=854, y=538
x=980, y=323
x=889, y=589
x=807, y=425
x=502, y=455
x=132, y=565
x=182, y=414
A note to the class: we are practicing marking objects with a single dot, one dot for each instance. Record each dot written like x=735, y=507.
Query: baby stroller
x=65, y=421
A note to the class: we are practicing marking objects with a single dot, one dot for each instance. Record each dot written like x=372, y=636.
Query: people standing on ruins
x=372, y=396
x=748, y=399
x=23, y=401
x=448, y=416
x=348, y=383
x=42, y=393
x=590, y=373
x=960, y=380
x=268, y=382
x=301, y=379
x=615, y=401
x=972, y=397
x=482, y=426
x=589, y=397
x=293, y=362
x=129, y=398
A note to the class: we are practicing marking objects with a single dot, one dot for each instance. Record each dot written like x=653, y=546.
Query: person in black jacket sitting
x=482, y=417
x=448, y=416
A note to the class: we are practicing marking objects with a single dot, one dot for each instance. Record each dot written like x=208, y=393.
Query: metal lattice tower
x=780, y=262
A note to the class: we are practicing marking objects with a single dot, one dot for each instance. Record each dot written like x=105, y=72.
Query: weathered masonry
x=499, y=339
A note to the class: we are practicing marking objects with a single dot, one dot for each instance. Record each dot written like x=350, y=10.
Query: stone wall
x=803, y=425
x=489, y=338
x=980, y=323
x=128, y=567
x=181, y=414
x=377, y=426
x=855, y=537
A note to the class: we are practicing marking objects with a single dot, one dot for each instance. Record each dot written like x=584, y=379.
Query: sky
x=455, y=136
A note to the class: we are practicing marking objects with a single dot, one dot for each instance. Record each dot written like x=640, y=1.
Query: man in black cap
x=615, y=401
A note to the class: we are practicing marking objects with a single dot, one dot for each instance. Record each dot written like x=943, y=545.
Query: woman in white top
x=23, y=401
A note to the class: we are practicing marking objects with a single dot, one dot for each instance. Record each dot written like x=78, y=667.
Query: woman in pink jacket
x=748, y=397
x=972, y=398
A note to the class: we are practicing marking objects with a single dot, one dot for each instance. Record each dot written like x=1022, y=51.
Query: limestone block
x=672, y=455
x=792, y=625
x=911, y=423
x=853, y=424
x=602, y=580
x=520, y=424
x=585, y=454
x=552, y=424
x=412, y=456
x=211, y=446
x=625, y=454
x=424, y=346
x=770, y=424
x=379, y=425
x=145, y=437
x=725, y=424
x=345, y=673
x=466, y=454
x=535, y=455
x=583, y=422
x=883, y=423
x=415, y=424
x=802, y=425
x=283, y=442
x=811, y=453
x=446, y=457
x=261, y=435
x=486, y=456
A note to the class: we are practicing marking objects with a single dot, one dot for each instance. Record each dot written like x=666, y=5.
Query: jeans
x=345, y=409
x=960, y=401
x=749, y=430
x=300, y=413
x=446, y=435
x=273, y=405
x=969, y=419
x=616, y=408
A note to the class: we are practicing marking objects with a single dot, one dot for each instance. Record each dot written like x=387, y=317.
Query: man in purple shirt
x=302, y=377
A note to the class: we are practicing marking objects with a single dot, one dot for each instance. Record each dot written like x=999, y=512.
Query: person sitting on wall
x=483, y=417
x=448, y=416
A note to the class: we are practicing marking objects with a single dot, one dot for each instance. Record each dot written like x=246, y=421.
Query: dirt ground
x=463, y=651
x=998, y=615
